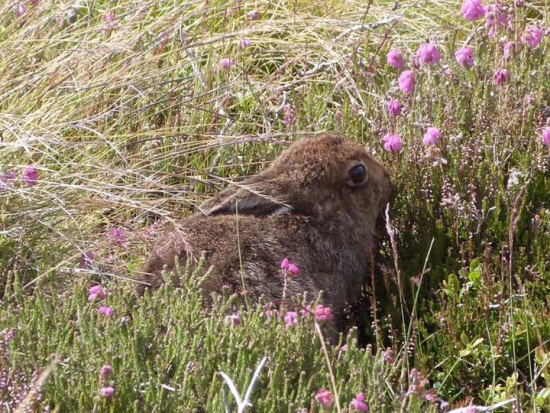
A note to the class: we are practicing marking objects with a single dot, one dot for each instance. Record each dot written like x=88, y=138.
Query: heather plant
x=118, y=118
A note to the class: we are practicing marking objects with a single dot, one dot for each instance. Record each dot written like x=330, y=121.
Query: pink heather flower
x=289, y=268
x=546, y=136
x=323, y=313
x=289, y=115
x=359, y=403
x=20, y=9
x=245, y=43
x=291, y=319
x=532, y=36
x=234, y=319
x=394, y=107
x=324, y=397
x=395, y=59
x=105, y=372
x=472, y=10
x=431, y=396
x=406, y=81
x=444, y=405
x=293, y=269
x=87, y=260
x=108, y=311
x=388, y=356
x=253, y=15
x=500, y=76
x=118, y=236
x=97, y=293
x=284, y=264
x=10, y=334
x=107, y=392
x=5, y=180
x=508, y=49
x=495, y=18
x=428, y=53
x=465, y=56
x=30, y=176
x=108, y=17
x=272, y=313
x=392, y=143
x=432, y=136
x=227, y=63
x=342, y=350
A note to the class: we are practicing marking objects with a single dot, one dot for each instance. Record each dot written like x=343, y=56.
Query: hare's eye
x=357, y=175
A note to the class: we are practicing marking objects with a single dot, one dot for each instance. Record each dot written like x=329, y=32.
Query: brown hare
x=317, y=205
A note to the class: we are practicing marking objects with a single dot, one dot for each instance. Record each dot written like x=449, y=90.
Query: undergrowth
x=118, y=118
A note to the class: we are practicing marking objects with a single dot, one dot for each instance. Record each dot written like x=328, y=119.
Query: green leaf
x=474, y=265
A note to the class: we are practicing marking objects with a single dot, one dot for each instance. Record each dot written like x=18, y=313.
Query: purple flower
x=105, y=372
x=495, y=18
x=289, y=115
x=253, y=15
x=394, y=107
x=323, y=313
x=291, y=319
x=5, y=180
x=324, y=397
x=432, y=136
x=87, y=260
x=428, y=53
x=97, y=293
x=289, y=268
x=108, y=311
x=30, y=176
x=465, y=56
x=234, y=319
x=118, y=236
x=20, y=9
x=245, y=43
x=500, y=76
x=508, y=49
x=9, y=335
x=272, y=313
x=472, y=10
x=546, y=136
x=406, y=81
x=359, y=403
x=293, y=269
x=444, y=405
x=395, y=59
x=388, y=356
x=108, y=17
x=532, y=36
x=343, y=350
x=227, y=63
x=107, y=392
x=284, y=264
x=392, y=143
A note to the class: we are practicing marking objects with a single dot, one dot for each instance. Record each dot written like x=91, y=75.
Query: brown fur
x=301, y=208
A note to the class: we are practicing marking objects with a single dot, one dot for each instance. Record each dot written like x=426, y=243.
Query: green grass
x=131, y=123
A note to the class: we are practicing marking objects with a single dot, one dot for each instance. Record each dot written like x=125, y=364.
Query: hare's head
x=324, y=176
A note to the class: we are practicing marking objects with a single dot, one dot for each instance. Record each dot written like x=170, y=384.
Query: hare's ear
x=244, y=201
